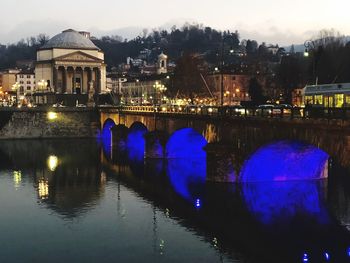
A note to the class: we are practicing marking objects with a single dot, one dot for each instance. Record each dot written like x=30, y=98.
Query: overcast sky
x=273, y=21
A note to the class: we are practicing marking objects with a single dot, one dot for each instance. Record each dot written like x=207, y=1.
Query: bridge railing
x=245, y=112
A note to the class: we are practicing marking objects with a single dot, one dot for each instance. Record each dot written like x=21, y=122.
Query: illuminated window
x=347, y=99
x=328, y=101
x=338, y=100
x=309, y=100
x=319, y=99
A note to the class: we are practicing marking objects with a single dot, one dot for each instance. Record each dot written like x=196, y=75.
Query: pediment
x=78, y=56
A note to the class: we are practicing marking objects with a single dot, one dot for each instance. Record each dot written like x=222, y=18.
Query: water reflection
x=65, y=174
x=282, y=202
x=289, y=220
x=149, y=211
x=187, y=176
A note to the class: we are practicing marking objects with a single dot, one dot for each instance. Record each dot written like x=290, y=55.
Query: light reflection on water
x=79, y=209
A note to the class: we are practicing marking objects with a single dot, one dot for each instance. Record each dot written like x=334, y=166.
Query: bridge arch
x=285, y=160
x=186, y=143
x=135, y=142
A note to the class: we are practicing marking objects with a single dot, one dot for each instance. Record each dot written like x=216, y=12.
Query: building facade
x=70, y=63
x=8, y=79
x=143, y=92
x=328, y=95
x=26, y=82
x=236, y=87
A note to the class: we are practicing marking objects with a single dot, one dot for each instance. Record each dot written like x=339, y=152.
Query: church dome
x=70, y=39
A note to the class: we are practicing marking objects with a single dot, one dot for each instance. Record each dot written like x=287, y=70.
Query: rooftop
x=70, y=39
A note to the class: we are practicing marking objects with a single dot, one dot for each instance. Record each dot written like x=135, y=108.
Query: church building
x=70, y=63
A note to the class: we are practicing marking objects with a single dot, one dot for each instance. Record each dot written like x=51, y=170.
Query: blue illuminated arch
x=106, y=136
x=285, y=160
x=136, y=142
x=186, y=143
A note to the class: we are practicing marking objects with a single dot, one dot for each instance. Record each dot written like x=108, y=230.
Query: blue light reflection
x=187, y=176
x=327, y=256
x=276, y=202
x=285, y=160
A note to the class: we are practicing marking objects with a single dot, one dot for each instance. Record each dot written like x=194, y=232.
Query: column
x=155, y=143
x=82, y=81
x=119, y=137
x=64, y=79
x=73, y=85
x=89, y=78
x=98, y=76
x=55, y=77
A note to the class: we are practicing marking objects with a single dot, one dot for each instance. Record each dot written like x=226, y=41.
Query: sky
x=282, y=22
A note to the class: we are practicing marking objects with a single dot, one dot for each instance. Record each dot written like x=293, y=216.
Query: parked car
x=265, y=109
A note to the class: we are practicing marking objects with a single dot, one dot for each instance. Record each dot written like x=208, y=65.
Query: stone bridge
x=230, y=140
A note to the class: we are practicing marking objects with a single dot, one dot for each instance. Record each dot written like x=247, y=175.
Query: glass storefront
x=339, y=100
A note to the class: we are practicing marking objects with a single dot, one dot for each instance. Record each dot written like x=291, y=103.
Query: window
x=319, y=99
x=21, y=82
x=309, y=100
x=29, y=88
x=338, y=100
x=28, y=82
x=28, y=76
x=347, y=99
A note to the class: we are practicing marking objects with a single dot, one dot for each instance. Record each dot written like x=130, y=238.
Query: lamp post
x=158, y=90
x=15, y=88
x=309, y=44
x=222, y=88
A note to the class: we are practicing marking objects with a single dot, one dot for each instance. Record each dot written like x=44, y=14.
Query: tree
x=290, y=74
x=187, y=77
x=251, y=46
x=255, y=91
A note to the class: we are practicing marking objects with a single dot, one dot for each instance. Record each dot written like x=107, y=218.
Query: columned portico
x=72, y=79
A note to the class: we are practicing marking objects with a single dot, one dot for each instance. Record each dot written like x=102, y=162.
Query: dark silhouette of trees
x=187, y=81
x=255, y=91
x=291, y=74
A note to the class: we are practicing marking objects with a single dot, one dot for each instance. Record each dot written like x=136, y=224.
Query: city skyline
x=281, y=22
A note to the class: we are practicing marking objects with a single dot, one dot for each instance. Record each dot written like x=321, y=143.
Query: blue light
x=284, y=161
x=348, y=252
x=327, y=256
x=187, y=176
x=106, y=137
x=136, y=142
x=305, y=258
x=186, y=143
x=198, y=203
x=276, y=202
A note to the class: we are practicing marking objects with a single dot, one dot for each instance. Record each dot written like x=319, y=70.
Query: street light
x=158, y=89
x=309, y=44
x=15, y=88
x=42, y=85
x=222, y=69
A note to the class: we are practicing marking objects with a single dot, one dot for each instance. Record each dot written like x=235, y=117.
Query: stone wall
x=48, y=123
